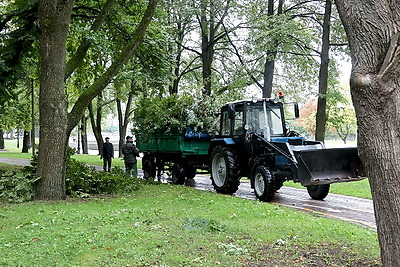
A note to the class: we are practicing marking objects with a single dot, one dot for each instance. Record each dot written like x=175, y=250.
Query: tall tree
x=373, y=30
x=54, y=17
x=269, y=65
x=211, y=16
x=323, y=75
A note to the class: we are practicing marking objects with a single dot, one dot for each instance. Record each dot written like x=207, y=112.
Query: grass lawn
x=355, y=189
x=167, y=225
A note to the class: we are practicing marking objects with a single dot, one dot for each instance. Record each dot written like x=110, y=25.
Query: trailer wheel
x=149, y=167
x=318, y=192
x=178, y=174
x=224, y=170
x=190, y=172
x=264, y=184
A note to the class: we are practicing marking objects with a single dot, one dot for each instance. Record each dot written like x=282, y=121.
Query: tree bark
x=54, y=17
x=123, y=119
x=373, y=30
x=96, y=124
x=25, y=142
x=269, y=66
x=83, y=132
x=1, y=139
x=209, y=29
x=320, y=123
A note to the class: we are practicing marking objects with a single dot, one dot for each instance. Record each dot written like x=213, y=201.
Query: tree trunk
x=25, y=142
x=83, y=133
x=1, y=139
x=373, y=30
x=123, y=119
x=96, y=124
x=54, y=19
x=320, y=124
x=207, y=45
x=269, y=66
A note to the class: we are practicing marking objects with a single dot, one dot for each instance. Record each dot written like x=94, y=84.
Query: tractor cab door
x=232, y=121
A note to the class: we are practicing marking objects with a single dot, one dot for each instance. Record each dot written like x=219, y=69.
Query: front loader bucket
x=326, y=166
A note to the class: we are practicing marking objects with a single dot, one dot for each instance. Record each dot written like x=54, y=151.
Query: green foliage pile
x=173, y=113
x=16, y=187
x=81, y=180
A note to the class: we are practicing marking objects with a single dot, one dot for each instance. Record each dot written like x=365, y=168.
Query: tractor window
x=225, y=124
x=238, y=127
x=275, y=120
x=255, y=119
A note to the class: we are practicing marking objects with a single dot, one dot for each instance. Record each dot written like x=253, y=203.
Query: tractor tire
x=178, y=174
x=318, y=192
x=149, y=167
x=264, y=183
x=224, y=169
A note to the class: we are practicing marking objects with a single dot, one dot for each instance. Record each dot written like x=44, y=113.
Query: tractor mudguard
x=326, y=166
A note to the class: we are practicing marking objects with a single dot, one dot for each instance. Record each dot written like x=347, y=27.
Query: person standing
x=107, y=154
x=130, y=153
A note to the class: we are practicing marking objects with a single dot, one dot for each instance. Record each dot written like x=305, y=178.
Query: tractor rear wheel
x=224, y=169
x=264, y=183
x=318, y=192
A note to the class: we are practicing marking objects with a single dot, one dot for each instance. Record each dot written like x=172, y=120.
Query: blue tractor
x=254, y=142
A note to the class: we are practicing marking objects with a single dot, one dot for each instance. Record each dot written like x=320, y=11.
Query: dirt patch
x=294, y=255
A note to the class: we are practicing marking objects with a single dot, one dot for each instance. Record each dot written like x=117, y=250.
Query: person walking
x=130, y=152
x=107, y=154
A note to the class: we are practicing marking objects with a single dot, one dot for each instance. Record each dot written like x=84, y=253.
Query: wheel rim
x=259, y=184
x=219, y=170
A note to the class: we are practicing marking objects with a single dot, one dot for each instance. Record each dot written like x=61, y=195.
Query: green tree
x=54, y=20
x=373, y=31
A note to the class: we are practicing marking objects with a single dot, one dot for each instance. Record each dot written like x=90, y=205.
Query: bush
x=80, y=180
x=16, y=187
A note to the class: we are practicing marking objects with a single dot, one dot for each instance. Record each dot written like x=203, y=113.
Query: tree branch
x=120, y=60
x=80, y=53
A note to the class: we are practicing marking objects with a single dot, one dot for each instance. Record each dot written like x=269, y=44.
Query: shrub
x=80, y=179
x=16, y=187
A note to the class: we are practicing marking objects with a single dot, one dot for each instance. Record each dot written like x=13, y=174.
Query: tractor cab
x=264, y=117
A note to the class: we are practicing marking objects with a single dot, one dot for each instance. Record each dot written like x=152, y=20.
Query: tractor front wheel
x=224, y=170
x=264, y=183
x=318, y=192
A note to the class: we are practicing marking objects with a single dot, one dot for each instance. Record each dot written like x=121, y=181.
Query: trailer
x=181, y=152
x=253, y=142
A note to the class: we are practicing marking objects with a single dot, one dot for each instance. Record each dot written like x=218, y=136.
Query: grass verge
x=355, y=189
x=165, y=225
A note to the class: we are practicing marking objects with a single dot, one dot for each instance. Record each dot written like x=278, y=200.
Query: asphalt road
x=351, y=209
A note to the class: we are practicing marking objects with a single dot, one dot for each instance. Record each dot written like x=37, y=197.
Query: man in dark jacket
x=130, y=153
x=107, y=154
